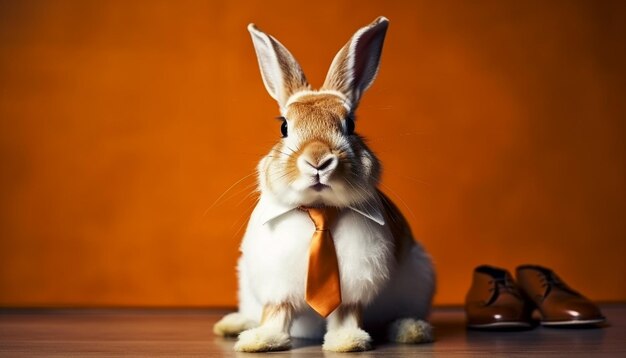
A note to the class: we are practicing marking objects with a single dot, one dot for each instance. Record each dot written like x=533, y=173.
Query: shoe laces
x=502, y=285
x=549, y=281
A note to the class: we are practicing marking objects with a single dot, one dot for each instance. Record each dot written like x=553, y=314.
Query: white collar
x=272, y=209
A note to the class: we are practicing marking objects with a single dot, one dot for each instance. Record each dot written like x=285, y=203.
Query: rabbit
x=387, y=279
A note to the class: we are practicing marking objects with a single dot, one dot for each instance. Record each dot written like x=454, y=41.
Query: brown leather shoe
x=494, y=301
x=558, y=303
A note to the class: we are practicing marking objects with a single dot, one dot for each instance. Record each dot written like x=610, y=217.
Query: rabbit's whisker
x=400, y=199
x=226, y=191
x=283, y=174
x=242, y=218
x=287, y=154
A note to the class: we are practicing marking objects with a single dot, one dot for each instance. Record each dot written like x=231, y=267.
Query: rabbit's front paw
x=350, y=339
x=411, y=331
x=232, y=324
x=263, y=339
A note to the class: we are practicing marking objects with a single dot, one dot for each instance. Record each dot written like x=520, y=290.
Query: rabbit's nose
x=327, y=163
x=317, y=161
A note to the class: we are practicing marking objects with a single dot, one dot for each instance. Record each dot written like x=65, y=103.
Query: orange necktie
x=323, y=289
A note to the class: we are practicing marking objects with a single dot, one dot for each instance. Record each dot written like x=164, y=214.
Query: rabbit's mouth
x=319, y=187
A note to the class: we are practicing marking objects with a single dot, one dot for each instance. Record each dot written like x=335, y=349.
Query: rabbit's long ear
x=281, y=72
x=355, y=66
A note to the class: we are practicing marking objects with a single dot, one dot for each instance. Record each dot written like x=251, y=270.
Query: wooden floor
x=150, y=333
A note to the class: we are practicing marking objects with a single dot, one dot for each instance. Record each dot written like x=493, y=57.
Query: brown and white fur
x=387, y=279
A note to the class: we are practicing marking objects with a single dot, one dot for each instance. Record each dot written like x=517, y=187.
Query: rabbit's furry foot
x=263, y=339
x=232, y=324
x=349, y=339
x=411, y=331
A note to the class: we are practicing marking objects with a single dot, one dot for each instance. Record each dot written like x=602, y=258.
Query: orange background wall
x=501, y=126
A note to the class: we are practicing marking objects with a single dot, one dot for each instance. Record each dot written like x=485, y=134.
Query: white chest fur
x=275, y=256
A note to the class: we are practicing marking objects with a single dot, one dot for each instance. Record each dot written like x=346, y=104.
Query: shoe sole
x=498, y=325
x=586, y=322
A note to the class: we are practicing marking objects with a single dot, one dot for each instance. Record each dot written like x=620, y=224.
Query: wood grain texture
x=150, y=333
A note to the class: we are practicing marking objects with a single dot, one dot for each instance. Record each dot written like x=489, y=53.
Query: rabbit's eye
x=349, y=125
x=283, y=128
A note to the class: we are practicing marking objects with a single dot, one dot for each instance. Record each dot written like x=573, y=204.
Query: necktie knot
x=322, y=217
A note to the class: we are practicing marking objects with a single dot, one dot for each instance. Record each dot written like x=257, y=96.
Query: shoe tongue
x=494, y=272
x=544, y=271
